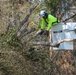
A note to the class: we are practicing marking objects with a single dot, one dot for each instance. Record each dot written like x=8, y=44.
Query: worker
x=48, y=21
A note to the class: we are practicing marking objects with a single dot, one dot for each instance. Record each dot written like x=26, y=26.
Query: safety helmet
x=43, y=13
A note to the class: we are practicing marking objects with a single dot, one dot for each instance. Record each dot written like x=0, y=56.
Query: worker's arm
x=43, y=24
x=50, y=19
x=49, y=25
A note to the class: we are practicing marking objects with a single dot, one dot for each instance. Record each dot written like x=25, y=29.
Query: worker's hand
x=42, y=31
x=46, y=33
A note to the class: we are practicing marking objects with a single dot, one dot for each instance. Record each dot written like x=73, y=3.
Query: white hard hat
x=42, y=13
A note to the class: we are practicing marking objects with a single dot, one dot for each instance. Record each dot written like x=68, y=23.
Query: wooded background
x=19, y=21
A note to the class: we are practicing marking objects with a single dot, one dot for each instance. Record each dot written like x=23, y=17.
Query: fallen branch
x=56, y=44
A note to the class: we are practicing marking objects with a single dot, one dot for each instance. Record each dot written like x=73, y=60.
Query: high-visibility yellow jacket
x=50, y=21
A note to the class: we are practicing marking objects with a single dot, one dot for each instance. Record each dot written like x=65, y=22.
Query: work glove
x=46, y=33
x=42, y=31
